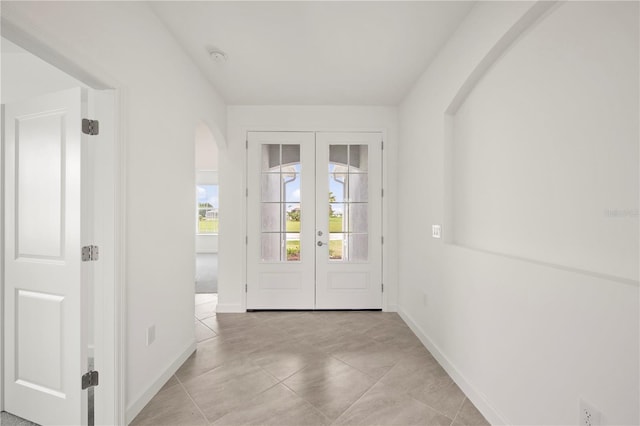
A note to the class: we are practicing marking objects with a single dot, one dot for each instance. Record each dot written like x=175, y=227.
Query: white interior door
x=314, y=220
x=349, y=221
x=44, y=322
x=280, y=251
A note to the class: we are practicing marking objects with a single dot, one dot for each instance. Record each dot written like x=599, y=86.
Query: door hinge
x=382, y=287
x=90, y=127
x=382, y=145
x=90, y=253
x=90, y=380
x=246, y=239
x=382, y=240
x=246, y=288
x=382, y=192
x=246, y=144
x=246, y=192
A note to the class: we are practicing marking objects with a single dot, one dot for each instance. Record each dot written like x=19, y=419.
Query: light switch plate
x=151, y=334
x=436, y=231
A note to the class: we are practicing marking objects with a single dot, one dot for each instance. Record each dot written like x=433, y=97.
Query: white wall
x=527, y=166
x=543, y=161
x=232, y=176
x=165, y=97
x=25, y=75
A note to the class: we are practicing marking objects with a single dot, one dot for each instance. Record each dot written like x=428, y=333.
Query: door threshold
x=314, y=310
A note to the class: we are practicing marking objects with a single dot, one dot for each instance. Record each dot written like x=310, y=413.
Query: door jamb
x=2, y=260
x=83, y=69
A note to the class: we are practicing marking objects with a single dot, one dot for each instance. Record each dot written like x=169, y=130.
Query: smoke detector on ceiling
x=217, y=54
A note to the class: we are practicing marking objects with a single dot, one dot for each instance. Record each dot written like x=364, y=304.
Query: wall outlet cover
x=589, y=415
x=436, y=231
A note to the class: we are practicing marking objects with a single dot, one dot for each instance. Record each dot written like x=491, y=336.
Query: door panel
x=45, y=339
x=349, y=211
x=39, y=142
x=280, y=255
x=314, y=220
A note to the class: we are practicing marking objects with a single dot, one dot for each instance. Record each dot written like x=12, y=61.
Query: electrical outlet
x=151, y=335
x=589, y=415
x=436, y=231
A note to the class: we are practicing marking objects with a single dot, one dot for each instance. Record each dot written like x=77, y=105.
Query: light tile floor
x=307, y=368
x=7, y=419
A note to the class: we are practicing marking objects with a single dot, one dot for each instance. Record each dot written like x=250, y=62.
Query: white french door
x=45, y=321
x=314, y=231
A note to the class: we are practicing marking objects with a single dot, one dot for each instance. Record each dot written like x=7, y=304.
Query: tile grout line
x=461, y=405
x=192, y=400
x=278, y=381
x=424, y=403
x=459, y=409
x=359, y=398
x=201, y=322
x=331, y=421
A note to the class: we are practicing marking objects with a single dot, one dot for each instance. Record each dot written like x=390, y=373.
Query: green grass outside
x=335, y=248
x=208, y=226
x=335, y=225
x=293, y=226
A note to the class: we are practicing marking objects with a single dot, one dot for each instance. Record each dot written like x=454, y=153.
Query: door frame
x=110, y=328
x=244, y=130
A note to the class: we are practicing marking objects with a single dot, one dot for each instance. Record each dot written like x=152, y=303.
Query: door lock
x=319, y=233
x=320, y=244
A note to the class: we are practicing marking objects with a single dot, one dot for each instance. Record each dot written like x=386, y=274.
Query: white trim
x=488, y=411
x=230, y=308
x=120, y=226
x=2, y=260
x=207, y=251
x=84, y=69
x=140, y=402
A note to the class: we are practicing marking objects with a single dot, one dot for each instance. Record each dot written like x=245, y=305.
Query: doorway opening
x=314, y=221
x=61, y=316
x=207, y=228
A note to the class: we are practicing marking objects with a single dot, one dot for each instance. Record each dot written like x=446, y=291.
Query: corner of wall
x=138, y=404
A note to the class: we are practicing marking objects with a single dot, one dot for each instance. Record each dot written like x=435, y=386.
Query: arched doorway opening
x=206, y=227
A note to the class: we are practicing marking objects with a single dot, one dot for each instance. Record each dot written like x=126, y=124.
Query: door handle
x=320, y=244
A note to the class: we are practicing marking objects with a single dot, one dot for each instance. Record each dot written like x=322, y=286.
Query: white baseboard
x=488, y=411
x=206, y=251
x=136, y=406
x=229, y=308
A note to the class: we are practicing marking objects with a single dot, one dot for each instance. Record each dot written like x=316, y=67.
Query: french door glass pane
x=271, y=217
x=358, y=247
x=290, y=154
x=358, y=218
x=348, y=203
x=281, y=211
x=291, y=182
x=271, y=247
x=270, y=183
x=337, y=246
x=336, y=216
x=271, y=158
x=359, y=188
x=358, y=158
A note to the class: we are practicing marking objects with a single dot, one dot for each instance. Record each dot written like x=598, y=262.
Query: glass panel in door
x=280, y=206
x=348, y=214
